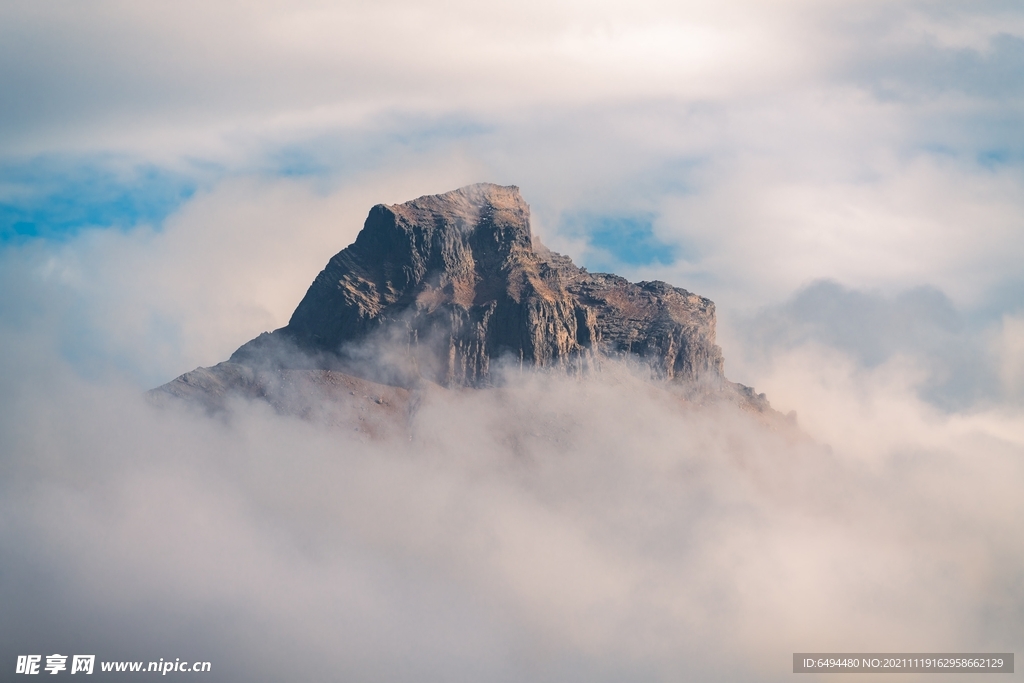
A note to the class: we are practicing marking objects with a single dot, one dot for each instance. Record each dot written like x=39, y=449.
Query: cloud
x=908, y=223
x=277, y=60
x=552, y=529
x=842, y=178
x=208, y=77
x=756, y=135
x=952, y=349
x=1009, y=349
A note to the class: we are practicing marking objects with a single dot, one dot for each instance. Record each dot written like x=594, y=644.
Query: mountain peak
x=462, y=208
x=442, y=287
x=475, y=196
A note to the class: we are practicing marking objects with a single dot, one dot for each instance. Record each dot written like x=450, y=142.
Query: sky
x=842, y=177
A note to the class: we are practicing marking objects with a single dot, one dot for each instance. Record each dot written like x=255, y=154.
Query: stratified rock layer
x=441, y=287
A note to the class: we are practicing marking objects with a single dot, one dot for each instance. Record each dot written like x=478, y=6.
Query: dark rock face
x=443, y=286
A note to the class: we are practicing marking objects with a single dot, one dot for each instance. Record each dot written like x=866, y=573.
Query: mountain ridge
x=441, y=288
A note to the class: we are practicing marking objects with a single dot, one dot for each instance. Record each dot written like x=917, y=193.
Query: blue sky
x=55, y=199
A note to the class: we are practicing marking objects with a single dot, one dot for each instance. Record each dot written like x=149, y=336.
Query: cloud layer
x=772, y=143
x=555, y=529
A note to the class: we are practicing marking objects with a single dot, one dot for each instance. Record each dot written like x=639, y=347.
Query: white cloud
x=906, y=222
x=552, y=529
x=106, y=74
x=1009, y=347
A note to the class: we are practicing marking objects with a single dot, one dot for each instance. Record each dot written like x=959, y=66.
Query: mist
x=598, y=527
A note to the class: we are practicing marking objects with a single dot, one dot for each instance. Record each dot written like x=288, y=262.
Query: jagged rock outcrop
x=445, y=287
x=448, y=284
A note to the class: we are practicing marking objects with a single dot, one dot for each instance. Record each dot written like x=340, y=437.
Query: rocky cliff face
x=443, y=286
x=442, y=290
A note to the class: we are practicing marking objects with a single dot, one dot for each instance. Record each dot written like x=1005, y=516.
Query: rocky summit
x=447, y=287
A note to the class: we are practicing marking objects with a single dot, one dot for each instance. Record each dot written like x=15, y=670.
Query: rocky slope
x=444, y=287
